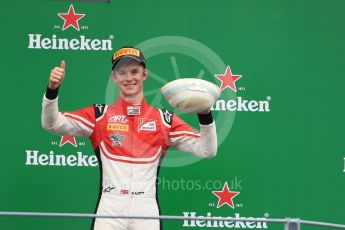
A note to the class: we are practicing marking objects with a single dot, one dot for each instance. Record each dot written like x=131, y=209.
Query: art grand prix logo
x=71, y=18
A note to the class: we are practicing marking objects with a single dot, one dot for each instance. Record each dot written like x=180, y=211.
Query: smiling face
x=130, y=80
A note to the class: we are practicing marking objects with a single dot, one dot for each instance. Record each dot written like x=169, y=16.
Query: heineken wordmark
x=241, y=105
x=33, y=157
x=36, y=41
x=231, y=223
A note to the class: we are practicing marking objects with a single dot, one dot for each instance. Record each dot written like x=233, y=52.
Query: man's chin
x=128, y=89
x=129, y=93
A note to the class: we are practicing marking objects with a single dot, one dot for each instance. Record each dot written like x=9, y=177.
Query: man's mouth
x=130, y=85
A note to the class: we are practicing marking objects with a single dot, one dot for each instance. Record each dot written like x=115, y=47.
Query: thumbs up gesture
x=57, y=75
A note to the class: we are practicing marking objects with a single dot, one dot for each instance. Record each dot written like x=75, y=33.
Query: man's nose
x=128, y=76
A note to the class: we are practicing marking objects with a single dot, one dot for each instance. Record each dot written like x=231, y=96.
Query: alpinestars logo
x=228, y=81
x=70, y=20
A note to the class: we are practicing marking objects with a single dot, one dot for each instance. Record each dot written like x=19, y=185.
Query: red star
x=225, y=196
x=228, y=79
x=71, y=18
x=69, y=139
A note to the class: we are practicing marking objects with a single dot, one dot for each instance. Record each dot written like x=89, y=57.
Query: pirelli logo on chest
x=117, y=127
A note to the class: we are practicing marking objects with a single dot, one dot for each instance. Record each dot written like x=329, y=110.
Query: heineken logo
x=228, y=79
x=240, y=222
x=225, y=196
x=76, y=158
x=242, y=105
x=35, y=158
x=59, y=42
x=68, y=139
x=37, y=41
x=71, y=18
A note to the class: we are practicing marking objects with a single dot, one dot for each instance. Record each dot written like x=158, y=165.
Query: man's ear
x=145, y=74
x=113, y=76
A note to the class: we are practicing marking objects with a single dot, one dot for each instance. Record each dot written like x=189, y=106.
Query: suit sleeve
x=184, y=138
x=78, y=123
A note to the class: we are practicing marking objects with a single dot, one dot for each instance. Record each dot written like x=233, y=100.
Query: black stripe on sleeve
x=52, y=93
x=205, y=119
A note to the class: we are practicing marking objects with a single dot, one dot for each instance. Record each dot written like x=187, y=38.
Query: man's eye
x=135, y=71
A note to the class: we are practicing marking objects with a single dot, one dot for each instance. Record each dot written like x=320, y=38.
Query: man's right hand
x=56, y=76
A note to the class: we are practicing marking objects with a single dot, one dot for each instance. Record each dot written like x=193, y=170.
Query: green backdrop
x=285, y=161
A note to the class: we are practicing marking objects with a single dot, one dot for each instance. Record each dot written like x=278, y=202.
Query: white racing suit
x=130, y=141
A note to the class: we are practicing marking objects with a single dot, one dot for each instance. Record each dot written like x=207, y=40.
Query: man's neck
x=135, y=100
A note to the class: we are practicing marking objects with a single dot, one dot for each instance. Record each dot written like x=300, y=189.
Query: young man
x=130, y=139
